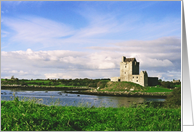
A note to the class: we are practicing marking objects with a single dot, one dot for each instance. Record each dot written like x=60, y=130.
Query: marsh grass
x=31, y=116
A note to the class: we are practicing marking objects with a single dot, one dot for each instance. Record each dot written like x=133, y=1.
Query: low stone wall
x=115, y=79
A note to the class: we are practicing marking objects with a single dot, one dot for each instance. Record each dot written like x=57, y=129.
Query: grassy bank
x=130, y=87
x=25, y=116
x=124, y=93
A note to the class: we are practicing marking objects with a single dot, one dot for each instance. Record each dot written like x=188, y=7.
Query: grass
x=157, y=89
x=121, y=86
x=29, y=116
x=61, y=85
x=178, y=85
x=41, y=83
x=126, y=86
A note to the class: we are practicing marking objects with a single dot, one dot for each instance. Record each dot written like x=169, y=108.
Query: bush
x=167, y=84
x=174, y=98
x=102, y=84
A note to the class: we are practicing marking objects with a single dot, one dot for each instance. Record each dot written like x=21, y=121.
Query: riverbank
x=28, y=116
x=122, y=93
x=89, y=91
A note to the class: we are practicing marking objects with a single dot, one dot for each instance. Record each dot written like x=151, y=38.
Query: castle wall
x=125, y=71
x=176, y=81
x=135, y=79
x=144, y=78
x=135, y=68
x=115, y=79
x=152, y=81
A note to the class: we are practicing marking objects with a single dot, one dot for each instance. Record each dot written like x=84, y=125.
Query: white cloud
x=92, y=64
x=156, y=63
x=158, y=52
x=20, y=72
x=57, y=75
x=4, y=33
x=37, y=30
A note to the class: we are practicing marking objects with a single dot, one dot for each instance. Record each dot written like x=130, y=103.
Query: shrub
x=174, y=98
x=102, y=84
x=167, y=84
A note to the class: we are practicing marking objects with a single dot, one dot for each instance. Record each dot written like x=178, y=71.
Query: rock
x=131, y=89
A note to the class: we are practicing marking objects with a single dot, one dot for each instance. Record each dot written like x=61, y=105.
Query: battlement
x=124, y=59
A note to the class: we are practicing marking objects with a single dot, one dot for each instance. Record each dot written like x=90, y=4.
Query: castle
x=129, y=71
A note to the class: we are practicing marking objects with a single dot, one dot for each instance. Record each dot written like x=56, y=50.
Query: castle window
x=125, y=66
x=125, y=72
x=136, y=77
x=133, y=77
x=136, y=80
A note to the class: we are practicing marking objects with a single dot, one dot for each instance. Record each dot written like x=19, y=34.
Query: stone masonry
x=129, y=71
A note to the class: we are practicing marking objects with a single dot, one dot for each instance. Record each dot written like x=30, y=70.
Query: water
x=71, y=99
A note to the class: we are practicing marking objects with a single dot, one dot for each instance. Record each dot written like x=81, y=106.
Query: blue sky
x=75, y=39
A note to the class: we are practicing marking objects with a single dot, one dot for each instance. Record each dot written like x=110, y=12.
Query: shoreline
x=123, y=93
x=89, y=91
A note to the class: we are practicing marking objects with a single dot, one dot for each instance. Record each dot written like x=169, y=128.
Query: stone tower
x=128, y=67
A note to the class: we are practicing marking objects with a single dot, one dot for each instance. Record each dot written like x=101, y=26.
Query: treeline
x=78, y=82
x=168, y=84
x=57, y=82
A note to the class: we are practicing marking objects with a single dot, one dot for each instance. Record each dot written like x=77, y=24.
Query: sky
x=76, y=39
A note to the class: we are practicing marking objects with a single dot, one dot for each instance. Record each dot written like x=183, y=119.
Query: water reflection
x=71, y=99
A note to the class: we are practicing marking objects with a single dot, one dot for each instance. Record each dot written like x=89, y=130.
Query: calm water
x=70, y=99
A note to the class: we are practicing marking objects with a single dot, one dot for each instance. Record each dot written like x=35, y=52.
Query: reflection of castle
x=129, y=71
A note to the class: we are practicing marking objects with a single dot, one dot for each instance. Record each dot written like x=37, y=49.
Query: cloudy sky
x=77, y=39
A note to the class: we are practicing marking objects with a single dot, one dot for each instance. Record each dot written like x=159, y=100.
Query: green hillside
x=129, y=86
x=122, y=86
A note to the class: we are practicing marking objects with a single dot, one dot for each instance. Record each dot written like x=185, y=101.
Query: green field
x=29, y=116
x=158, y=89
